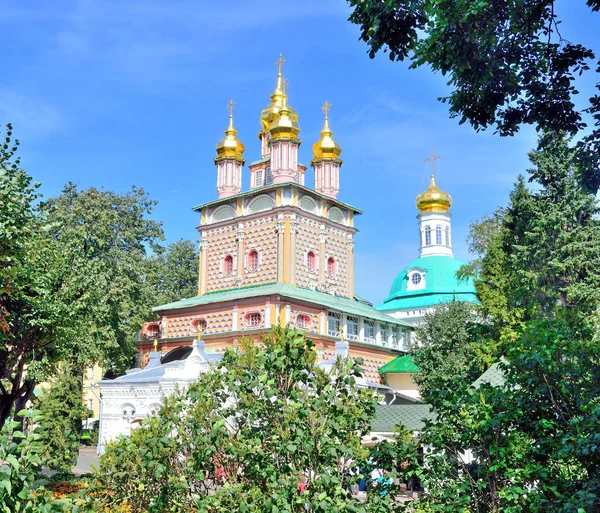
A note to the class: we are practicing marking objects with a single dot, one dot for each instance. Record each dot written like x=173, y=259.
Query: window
x=394, y=339
x=303, y=321
x=428, y=235
x=416, y=278
x=153, y=331
x=352, y=328
x=91, y=372
x=258, y=178
x=438, y=234
x=369, y=331
x=333, y=324
x=253, y=260
x=199, y=325
x=383, y=330
x=269, y=176
x=447, y=236
x=331, y=266
x=228, y=265
x=90, y=404
x=311, y=261
x=253, y=319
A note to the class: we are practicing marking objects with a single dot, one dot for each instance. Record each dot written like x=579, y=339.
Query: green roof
x=411, y=416
x=494, y=375
x=400, y=364
x=339, y=303
x=269, y=187
x=441, y=285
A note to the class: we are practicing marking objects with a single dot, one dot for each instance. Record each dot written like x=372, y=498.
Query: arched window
x=428, y=235
x=331, y=267
x=438, y=234
x=253, y=319
x=447, y=236
x=228, y=265
x=153, y=331
x=311, y=261
x=253, y=260
x=416, y=278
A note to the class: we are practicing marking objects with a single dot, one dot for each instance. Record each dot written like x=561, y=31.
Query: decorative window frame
x=370, y=327
x=354, y=321
x=422, y=282
x=336, y=215
x=305, y=201
x=149, y=326
x=338, y=317
x=258, y=260
x=309, y=321
x=331, y=258
x=196, y=321
x=439, y=237
x=259, y=199
x=427, y=232
x=248, y=324
x=233, y=267
x=315, y=269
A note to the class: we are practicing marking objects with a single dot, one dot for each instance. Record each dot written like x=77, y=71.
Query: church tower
x=435, y=235
x=229, y=161
x=326, y=161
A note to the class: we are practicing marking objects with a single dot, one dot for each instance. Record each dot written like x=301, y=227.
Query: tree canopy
x=506, y=61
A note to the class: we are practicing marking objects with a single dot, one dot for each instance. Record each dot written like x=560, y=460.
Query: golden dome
x=284, y=126
x=326, y=147
x=434, y=199
x=271, y=111
x=230, y=146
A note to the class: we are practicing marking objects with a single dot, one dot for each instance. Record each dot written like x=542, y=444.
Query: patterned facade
x=280, y=253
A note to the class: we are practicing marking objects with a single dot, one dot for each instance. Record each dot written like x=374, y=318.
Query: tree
x=72, y=280
x=61, y=412
x=507, y=62
x=264, y=430
x=173, y=272
x=452, y=350
x=541, y=255
x=534, y=439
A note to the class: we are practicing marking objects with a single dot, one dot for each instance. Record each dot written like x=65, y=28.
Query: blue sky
x=112, y=93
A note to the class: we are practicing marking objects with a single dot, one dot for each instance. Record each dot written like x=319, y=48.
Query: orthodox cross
x=432, y=159
x=231, y=104
x=325, y=108
x=280, y=64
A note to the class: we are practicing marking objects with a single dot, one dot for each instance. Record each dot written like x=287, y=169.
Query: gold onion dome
x=278, y=98
x=230, y=146
x=284, y=126
x=433, y=199
x=326, y=147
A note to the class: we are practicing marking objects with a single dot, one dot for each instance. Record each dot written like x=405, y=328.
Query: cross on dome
x=432, y=159
x=325, y=108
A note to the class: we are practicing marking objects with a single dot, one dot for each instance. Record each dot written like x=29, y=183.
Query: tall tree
x=506, y=61
x=173, y=272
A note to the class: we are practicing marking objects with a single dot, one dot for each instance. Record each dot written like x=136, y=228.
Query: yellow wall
x=91, y=390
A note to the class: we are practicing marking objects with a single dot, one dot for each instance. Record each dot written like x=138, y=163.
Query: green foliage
x=20, y=464
x=248, y=432
x=535, y=439
x=173, y=272
x=506, y=62
x=61, y=412
x=451, y=350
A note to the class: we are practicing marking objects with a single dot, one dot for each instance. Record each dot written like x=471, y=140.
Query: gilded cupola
x=433, y=199
x=326, y=147
x=230, y=146
x=271, y=111
x=284, y=126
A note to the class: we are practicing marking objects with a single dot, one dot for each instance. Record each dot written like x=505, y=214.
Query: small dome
x=278, y=98
x=284, y=126
x=434, y=199
x=326, y=147
x=230, y=146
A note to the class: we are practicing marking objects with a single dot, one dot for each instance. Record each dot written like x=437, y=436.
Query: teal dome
x=437, y=283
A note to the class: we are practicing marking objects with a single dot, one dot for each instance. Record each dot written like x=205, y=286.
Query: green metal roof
x=269, y=187
x=339, y=303
x=494, y=375
x=400, y=364
x=411, y=416
x=441, y=285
